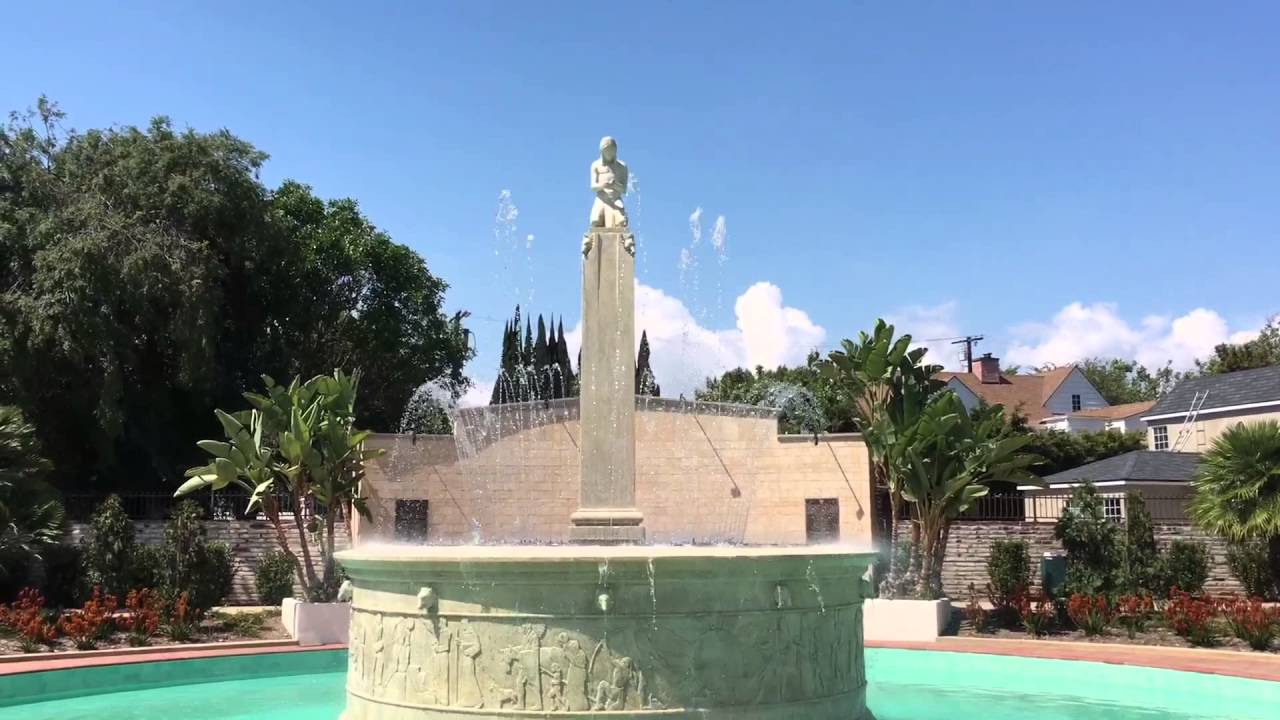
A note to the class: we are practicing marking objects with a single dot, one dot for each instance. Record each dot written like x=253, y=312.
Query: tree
x=1125, y=381
x=646, y=383
x=31, y=518
x=1262, y=351
x=1236, y=492
x=297, y=445
x=944, y=461
x=768, y=387
x=1091, y=542
x=148, y=275
x=1139, y=558
x=1060, y=451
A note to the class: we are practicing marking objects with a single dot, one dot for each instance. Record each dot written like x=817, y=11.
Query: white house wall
x=967, y=396
x=1075, y=384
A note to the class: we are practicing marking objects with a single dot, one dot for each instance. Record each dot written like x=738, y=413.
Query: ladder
x=1189, y=423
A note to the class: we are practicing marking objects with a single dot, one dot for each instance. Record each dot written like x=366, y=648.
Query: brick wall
x=970, y=543
x=249, y=540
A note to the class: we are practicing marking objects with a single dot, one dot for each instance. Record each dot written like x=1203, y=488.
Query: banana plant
x=945, y=462
x=296, y=442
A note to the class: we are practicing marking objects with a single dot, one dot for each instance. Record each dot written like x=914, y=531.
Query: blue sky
x=1071, y=180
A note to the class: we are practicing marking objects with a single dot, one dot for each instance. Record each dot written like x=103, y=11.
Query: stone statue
x=609, y=183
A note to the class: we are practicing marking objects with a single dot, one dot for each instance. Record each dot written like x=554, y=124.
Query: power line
x=968, y=341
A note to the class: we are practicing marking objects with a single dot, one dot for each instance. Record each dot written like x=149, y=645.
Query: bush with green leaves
x=31, y=517
x=111, y=546
x=1250, y=563
x=1139, y=558
x=1008, y=569
x=1185, y=567
x=65, y=584
x=274, y=578
x=191, y=563
x=1090, y=540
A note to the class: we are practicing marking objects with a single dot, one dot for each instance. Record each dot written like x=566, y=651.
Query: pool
x=903, y=685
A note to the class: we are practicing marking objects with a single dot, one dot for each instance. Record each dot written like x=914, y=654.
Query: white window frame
x=1077, y=403
x=1113, y=508
x=1160, y=437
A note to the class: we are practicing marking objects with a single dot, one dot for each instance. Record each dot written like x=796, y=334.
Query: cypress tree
x=541, y=364
x=646, y=383
x=570, y=383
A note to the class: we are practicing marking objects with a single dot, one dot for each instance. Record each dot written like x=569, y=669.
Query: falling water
x=653, y=595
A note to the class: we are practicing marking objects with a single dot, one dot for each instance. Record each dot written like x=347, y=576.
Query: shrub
x=64, y=583
x=1037, y=617
x=1250, y=563
x=26, y=617
x=1090, y=614
x=191, y=564
x=184, y=620
x=148, y=568
x=92, y=623
x=1192, y=618
x=1185, y=566
x=979, y=618
x=1090, y=541
x=243, y=624
x=1008, y=568
x=1137, y=571
x=1133, y=612
x=274, y=578
x=111, y=545
x=142, y=620
x=1251, y=621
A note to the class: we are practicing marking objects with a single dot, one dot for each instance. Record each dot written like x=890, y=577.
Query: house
x=1126, y=417
x=1162, y=478
x=1054, y=395
x=1197, y=410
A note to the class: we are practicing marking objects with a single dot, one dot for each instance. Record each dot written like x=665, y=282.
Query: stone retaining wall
x=249, y=540
x=970, y=543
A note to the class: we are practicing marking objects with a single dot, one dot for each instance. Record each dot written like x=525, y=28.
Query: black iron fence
x=225, y=505
x=1048, y=506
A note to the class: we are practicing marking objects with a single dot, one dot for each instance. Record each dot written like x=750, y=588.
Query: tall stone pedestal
x=606, y=506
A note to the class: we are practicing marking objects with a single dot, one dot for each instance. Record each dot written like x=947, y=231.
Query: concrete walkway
x=1255, y=665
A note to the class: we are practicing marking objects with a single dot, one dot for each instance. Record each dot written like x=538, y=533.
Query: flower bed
x=144, y=618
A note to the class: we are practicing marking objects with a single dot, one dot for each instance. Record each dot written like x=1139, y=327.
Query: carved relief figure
x=555, y=688
x=611, y=694
x=469, y=694
x=438, y=663
x=379, y=676
x=355, y=651
x=575, y=674
x=396, y=684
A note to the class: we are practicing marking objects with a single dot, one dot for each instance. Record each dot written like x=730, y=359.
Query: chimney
x=987, y=369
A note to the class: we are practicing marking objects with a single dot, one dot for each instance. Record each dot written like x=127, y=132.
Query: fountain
x=606, y=627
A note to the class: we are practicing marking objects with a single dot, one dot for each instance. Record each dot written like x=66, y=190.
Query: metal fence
x=1047, y=506
x=225, y=505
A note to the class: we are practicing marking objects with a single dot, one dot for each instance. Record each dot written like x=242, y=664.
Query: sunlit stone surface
x=618, y=632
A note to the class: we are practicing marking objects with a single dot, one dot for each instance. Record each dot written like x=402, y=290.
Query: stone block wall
x=249, y=540
x=705, y=473
x=970, y=543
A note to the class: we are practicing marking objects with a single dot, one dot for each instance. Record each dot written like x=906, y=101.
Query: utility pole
x=968, y=341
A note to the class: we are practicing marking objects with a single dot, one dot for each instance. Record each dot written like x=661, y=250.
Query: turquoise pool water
x=904, y=685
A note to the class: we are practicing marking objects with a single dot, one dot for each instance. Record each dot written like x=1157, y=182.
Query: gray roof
x=1243, y=387
x=1136, y=466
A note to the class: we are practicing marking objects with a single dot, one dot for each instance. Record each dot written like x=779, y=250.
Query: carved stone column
x=606, y=504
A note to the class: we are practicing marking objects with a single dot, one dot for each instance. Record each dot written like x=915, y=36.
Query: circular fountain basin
x=606, y=631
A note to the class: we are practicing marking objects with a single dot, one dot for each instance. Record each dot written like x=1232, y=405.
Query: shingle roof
x=1135, y=466
x=1117, y=412
x=1024, y=394
x=1238, y=388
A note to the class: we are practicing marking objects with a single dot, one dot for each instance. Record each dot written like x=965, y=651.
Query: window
x=822, y=520
x=1075, y=403
x=1113, y=508
x=1160, y=437
x=411, y=521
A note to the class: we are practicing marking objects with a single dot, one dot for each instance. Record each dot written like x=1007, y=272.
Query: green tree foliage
x=1236, y=493
x=1091, y=542
x=296, y=445
x=1059, y=451
x=1009, y=572
x=1250, y=564
x=191, y=563
x=534, y=369
x=148, y=275
x=109, y=554
x=646, y=382
x=1261, y=351
x=31, y=518
x=1125, y=381
x=273, y=578
x=786, y=388
x=1139, y=558
x=1184, y=567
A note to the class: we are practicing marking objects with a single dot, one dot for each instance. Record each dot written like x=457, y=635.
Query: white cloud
x=480, y=392
x=685, y=353
x=1081, y=331
x=932, y=327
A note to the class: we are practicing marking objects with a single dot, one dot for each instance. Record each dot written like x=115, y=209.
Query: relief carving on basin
x=607, y=632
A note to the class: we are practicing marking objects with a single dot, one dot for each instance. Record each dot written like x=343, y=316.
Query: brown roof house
x=1059, y=399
